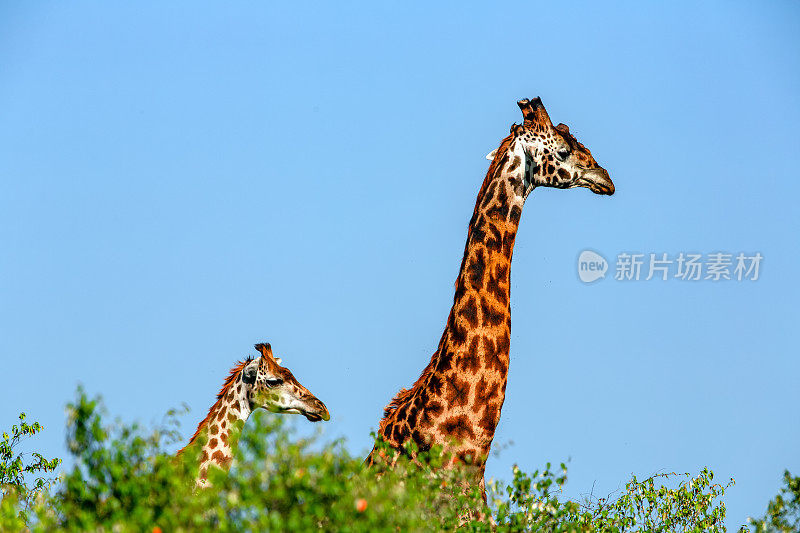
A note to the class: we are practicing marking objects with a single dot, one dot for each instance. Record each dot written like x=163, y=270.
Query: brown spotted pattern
x=456, y=402
x=253, y=383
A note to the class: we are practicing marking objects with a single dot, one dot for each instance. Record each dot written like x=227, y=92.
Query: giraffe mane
x=398, y=400
x=494, y=166
x=501, y=154
x=234, y=372
x=406, y=395
x=226, y=385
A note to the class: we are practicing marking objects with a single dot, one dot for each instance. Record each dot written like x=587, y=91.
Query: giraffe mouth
x=596, y=180
x=315, y=414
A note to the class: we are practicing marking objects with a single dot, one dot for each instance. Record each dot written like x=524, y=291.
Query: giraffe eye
x=563, y=153
x=274, y=382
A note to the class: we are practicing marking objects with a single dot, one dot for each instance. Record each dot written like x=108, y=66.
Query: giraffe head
x=273, y=387
x=553, y=156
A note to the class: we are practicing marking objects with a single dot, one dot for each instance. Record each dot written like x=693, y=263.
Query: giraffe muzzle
x=316, y=411
x=597, y=180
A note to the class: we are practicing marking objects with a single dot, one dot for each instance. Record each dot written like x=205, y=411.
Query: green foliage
x=783, y=512
x=124, y=478
x=122, y=474
x=531, y=503
x=16, y=493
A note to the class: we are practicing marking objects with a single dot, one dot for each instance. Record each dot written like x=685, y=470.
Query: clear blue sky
x=179, y=181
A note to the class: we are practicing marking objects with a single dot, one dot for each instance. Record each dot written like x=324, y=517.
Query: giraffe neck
x=221, y=427
x=461, y=392
x=473, y=354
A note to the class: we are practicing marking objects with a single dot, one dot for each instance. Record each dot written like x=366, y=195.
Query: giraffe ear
x=490, y=155
x=278, y=360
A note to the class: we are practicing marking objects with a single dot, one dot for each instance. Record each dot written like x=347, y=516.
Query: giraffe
x=456, y=402
x=252, y=383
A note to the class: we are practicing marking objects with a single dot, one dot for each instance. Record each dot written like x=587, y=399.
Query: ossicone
x=264, y=349
x=531, y=109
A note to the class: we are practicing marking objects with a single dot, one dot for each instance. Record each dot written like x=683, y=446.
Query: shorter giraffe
x=253, y=383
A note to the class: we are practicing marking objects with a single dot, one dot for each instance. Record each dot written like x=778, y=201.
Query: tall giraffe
x=456, y=401
x=253, y=383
